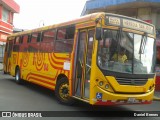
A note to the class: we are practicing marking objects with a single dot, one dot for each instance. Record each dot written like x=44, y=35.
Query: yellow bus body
x=45, y=69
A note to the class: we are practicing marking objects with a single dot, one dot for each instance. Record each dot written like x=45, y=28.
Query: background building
x=7, y=10
x=147, y=10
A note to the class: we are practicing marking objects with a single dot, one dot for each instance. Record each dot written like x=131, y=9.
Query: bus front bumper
x=103, y=97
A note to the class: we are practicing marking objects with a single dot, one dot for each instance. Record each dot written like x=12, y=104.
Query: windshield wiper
x=143, y=44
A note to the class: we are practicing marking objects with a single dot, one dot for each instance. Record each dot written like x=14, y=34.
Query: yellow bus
x=101, y=59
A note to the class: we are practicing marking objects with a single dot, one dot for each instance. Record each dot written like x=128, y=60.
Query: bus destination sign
x=137, y=25
x=114, y=21
x=127, y=23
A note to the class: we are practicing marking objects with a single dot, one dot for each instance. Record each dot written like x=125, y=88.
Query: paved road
x=29, y=97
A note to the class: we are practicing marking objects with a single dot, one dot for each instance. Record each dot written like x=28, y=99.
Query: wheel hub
x=64, y=91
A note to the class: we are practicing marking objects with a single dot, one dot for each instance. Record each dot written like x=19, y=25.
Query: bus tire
x=62, y=92
x=18, y=76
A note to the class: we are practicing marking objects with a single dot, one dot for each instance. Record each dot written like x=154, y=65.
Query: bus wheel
x=17, y=76
x=62, y=92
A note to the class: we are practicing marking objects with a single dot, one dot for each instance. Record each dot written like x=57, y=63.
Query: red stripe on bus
x=53, y=66
x=62, y=58
x=56, y=75
x=42, y=85
x=39, y=69
x=37, y=75
x=25, y=59
x=40, y=59
x=60, y=63
x=41, y=81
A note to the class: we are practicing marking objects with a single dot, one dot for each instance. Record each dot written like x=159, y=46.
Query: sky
x=35, y=13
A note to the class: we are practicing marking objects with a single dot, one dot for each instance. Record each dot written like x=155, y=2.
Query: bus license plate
x=131, y=100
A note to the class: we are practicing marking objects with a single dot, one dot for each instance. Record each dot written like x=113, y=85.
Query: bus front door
x=83, y=64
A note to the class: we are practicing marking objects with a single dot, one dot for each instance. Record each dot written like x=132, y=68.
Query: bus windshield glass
x=125, y=52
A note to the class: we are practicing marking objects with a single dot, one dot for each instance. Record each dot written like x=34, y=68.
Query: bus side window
x=47, y=43
x=16, y=44
x=34, y=37
x=9, y=45
x=64, y=41
x=21, y=40
x=29, y=39
x=16, y=40
x=25, y=43
x=39, y=37
x=34, y=42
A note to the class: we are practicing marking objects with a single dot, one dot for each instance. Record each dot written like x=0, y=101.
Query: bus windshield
x=125, y=52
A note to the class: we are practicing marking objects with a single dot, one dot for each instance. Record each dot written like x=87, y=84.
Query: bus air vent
x=131, y=81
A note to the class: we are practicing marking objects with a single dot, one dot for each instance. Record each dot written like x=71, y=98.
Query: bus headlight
x=100, y=83
x=106, y=86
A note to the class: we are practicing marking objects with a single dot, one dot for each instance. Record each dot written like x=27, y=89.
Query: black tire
x=62, y=92
x=18, y=76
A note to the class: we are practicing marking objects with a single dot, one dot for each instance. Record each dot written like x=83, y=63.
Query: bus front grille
x=131, y=81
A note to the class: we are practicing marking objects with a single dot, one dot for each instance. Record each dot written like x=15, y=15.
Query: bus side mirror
x=98, y=33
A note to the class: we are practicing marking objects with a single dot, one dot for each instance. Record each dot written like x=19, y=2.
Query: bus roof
x=82, y=19
x=72, y=22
